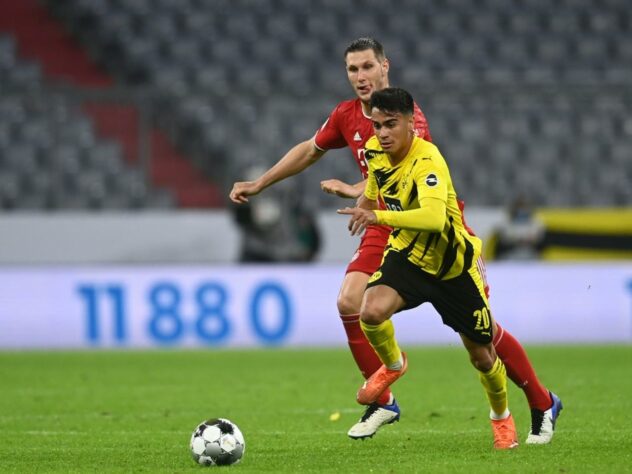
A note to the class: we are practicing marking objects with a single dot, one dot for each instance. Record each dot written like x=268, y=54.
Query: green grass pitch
x=119, y=411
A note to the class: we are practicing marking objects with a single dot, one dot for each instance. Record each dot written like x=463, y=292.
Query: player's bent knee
x=483, y=365
x=372, y=318
x=349, y=303
x=374, y=313
x=482, y=360
x=482, y=357
x=351, y=293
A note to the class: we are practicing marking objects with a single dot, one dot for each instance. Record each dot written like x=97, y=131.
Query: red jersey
x=347, y=125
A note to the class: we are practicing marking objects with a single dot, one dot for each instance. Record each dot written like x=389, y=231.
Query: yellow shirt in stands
x=422, y=209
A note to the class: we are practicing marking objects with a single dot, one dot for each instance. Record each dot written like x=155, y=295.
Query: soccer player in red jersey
x=349, y=124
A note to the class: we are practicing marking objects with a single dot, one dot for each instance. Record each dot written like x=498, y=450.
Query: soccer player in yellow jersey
x=430, y=256
x=349, y=125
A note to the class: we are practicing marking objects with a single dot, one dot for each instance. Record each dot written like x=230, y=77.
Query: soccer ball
x=217, y=442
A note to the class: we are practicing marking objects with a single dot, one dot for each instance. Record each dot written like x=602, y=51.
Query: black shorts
x=460, y=301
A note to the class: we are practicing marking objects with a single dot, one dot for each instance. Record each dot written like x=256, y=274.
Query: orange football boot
x=505, y=436
x=380, y=381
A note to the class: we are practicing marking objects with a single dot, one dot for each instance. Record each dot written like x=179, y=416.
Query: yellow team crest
x=376, y=276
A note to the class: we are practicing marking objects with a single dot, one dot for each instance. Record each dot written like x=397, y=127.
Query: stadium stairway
x=40, y=37
x=168, y=168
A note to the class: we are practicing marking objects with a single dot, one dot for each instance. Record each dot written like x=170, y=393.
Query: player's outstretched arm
x=342, y=189
x=293, y=162
x=430, y=217
x=364, y=202
x=360, y=219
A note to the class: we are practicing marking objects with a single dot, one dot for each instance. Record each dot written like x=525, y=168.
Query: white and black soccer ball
x=217, y=442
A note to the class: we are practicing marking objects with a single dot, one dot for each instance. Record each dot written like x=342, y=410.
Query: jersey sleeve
x=430, y=217
x=371, y=189
x=431, y=181
x=330, y=136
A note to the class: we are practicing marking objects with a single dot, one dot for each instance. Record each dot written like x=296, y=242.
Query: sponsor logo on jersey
x=432, y=180
x=357, y=137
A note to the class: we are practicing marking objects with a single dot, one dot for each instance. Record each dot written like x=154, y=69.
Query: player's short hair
x=362, y=44
x=393, y=100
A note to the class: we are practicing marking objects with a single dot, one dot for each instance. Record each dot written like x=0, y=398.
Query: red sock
x=520, y=370
x=363, y=353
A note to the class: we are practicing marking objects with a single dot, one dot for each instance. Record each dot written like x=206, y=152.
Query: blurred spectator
x=277, y=227
x=520, y=237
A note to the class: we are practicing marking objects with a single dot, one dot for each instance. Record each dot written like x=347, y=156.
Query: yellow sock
x=382, y=338
x=495, y=384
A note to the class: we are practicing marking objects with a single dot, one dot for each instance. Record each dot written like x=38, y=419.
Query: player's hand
x=241, y=190
x=364, y=202
x=360, y=219
x=339, y=188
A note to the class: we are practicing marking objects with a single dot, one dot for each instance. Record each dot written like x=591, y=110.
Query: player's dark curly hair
x=362, y=44
x=392, y=100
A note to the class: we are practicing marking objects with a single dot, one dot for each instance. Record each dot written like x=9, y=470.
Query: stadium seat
x=10, y=189
x=495, y=81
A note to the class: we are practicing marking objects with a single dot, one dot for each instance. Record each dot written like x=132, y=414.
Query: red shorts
x=368, y=258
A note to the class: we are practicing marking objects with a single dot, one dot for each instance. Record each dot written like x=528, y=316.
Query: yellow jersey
x=423, y=173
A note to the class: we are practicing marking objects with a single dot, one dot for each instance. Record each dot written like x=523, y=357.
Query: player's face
x=394, y=131
x=366, y=73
